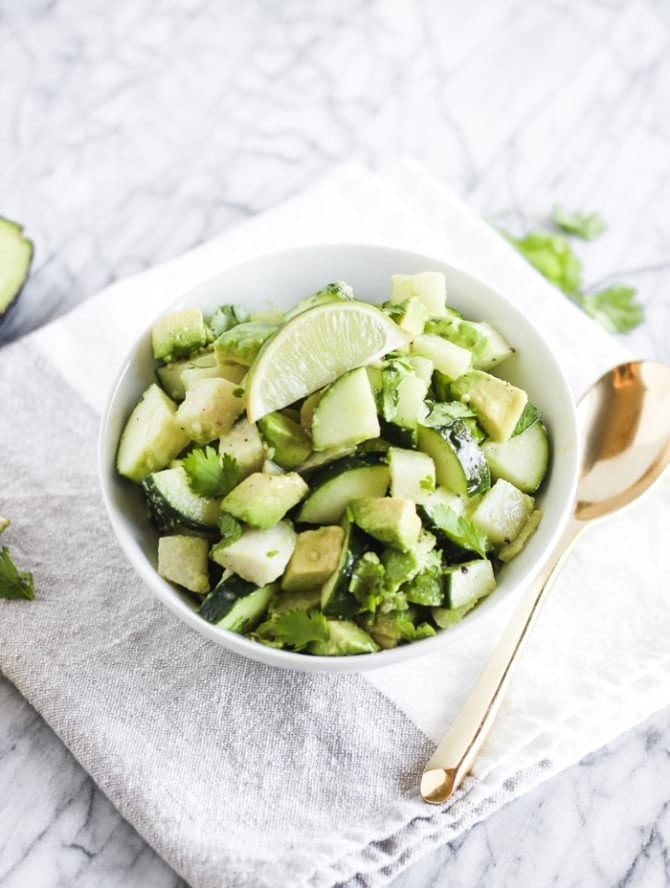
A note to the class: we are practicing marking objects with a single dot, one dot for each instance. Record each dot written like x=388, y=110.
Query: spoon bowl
x=624, y=424
x=624, y=421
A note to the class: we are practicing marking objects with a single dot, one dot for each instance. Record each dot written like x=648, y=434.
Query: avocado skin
x=12, y=232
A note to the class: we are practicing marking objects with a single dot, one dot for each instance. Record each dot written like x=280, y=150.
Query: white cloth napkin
x=242, y=775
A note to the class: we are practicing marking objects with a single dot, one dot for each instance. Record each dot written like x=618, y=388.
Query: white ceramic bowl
x=284, y=278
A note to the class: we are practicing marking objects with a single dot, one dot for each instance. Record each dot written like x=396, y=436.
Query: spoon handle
x=458, y=750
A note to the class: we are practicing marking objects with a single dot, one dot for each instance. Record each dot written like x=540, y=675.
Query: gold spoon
x=624, y=419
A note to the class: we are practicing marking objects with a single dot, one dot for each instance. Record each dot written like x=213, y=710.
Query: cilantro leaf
x=529, y=416
x=553, y=257
x=209, y=474
x=458, y=529
x=393, y=374
x=443, y=413
x=296, y=628
x=585, y=225
x=367, y=579
x=14, y=583
x=410, y=631
x=394, y=310
x=229, y=528
x=615, y=308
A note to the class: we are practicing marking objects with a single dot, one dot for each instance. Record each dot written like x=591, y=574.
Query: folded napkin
x=242, y=775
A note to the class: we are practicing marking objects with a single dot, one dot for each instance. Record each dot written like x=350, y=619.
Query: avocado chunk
x=497, y=403
x=289, y=441
x=4, y=524
x=242, y=343
x=209, y=409
x=314, y=560
x=346, y=412
x=468, y=582
x=178, y=333
x=288, y=601
x=389, y=519
x=345, y=637
x=16, y=254
x=183, y=560
x=259, y=556
x=338, y=291
x=262, y=500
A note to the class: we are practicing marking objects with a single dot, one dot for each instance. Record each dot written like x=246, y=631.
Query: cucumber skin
x=336, y=600
x=164, y=517
x=221, y=599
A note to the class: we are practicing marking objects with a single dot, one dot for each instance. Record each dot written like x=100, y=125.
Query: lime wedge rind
x=314, y=349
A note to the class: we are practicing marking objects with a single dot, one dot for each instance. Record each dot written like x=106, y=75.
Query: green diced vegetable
x=242, y=343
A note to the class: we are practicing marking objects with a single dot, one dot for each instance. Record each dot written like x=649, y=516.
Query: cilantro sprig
x=295, y=628
x=615, y=308
x=588, y=226
x=14, y=583
x=458, y=529
x=210, y=474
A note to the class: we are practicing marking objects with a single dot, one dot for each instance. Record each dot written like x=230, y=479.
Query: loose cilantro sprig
x=615, y=308
x=14, y=583
x=588, y=226
x=210, y=474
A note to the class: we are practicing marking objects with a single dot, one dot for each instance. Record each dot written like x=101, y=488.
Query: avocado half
x=16, y=253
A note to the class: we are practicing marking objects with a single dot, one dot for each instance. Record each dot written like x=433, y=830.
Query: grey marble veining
x=132, y=131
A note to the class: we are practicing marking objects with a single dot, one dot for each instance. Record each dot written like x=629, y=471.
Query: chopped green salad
x=340, y=478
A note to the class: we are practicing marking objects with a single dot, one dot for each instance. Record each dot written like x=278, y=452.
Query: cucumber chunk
x=243, y=442
x=259, y=556
x=346, y=413
x=468, y=582
x=223, y=597
x=511, y=550
x=451, y=360
x=170, y=375
x=16, y=253
x=178, y=334
x=173, y=504
x=183, y=560
x=502, y=512
x=522, y=460
x=336, y=599
x=430, y=287
x=460, y=464
x=247, y=612
x=345, y=638
x=209, y=409
x=339, y=483
x=412, y=474
x=151, y=437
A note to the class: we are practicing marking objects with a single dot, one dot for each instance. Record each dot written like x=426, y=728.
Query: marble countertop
x=133, y=131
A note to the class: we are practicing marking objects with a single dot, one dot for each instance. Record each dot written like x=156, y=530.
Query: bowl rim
x=277, y=657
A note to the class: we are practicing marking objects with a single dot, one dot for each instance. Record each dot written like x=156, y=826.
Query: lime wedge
x=314, y=349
